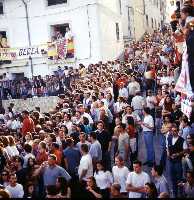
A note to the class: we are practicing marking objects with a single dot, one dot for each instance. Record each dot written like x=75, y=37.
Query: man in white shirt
x=133, y=86
x=120, y=173
x=136, y=181
x=148, y=126
x=85, y=169
x=15, y=189
x=81, y=109
x=138, y=103
x=123, y=92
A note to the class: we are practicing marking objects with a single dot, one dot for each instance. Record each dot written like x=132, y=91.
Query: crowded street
x=123, y=128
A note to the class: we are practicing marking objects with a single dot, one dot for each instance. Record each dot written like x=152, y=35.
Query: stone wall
x=45, y=103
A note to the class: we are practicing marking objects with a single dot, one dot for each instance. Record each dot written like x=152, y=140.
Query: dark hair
x=122, y=125
x=185, y=120
x=63, y=185
x=85, y=120
x=130, y=120
x=191, y=172
x=20, y=159
x=94, y=181
x=51, y=190
x=158, y=169
x=120, y=158
x=28, y=148
x=25, y=112
x=84, y=148
x=154, y=193
x=188, y=9
x=147, y=110
x=93, y=135
x=100, y=122
x=52, y=135
x=28, y=163
x=137, y=162
x=55, y=145
x=116, y=186
x=102, y=164
x=69, y=141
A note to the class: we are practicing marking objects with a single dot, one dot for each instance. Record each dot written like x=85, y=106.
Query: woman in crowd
x=151, y=191
x=63, y=188
x=4, y=178
x=103, y=179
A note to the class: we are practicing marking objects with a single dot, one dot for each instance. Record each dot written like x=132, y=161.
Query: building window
x=59, y=29
x=147, y=21
x=117, y=31
x=55, y=2
x=1, y=8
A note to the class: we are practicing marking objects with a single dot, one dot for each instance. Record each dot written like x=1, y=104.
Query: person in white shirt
x=28, y=151
x=15, y=190
x=68, y=123
x=103, y=178
x=82, y=138
x=138, y=103
x=81, y=109
x=148, y=126
x=151, y=102
x=12, y=147
x=136, y=181
x=120, y=173
x=119, y=105
x=85, y=169
x=123, y=92
x=133, y=86
x=129, y=112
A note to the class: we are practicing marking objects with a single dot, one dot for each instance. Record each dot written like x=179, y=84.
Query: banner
x=186, y=107
x=58, y=50
x=183, y=84
x=23, y=53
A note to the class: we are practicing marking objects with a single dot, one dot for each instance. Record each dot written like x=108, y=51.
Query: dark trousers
x=176, y=173
x=106, y=160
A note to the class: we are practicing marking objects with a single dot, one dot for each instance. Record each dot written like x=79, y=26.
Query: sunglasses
x=4, y=174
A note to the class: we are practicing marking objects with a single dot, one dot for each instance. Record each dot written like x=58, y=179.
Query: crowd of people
x=89, y=145
x=50, y=85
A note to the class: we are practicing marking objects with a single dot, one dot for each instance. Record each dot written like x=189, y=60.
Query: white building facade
x=171, y=6
x=141, y=16
x=95, y=24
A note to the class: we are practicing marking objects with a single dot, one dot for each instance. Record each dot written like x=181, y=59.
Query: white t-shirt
x=149, y=121
x=137, y=180
x=133, y=87
x=150, y=101
x=120, y=176
x=86, y=164
x=137, y=102
x=15, y=192
x=103, y=179
x=12, y=151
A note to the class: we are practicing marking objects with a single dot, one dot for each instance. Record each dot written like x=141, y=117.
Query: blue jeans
x=176, y=173
x=149, y=142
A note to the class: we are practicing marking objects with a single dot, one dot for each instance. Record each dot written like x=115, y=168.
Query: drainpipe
x=29, y=36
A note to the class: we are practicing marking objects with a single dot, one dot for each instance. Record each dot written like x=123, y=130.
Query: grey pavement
x=158, y=154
